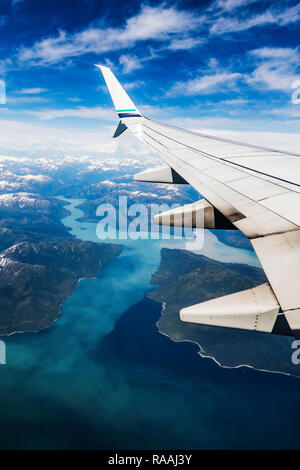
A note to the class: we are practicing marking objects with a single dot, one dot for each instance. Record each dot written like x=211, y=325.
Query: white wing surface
x=254, y=189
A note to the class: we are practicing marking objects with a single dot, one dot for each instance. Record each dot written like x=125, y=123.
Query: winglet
x=120, y=129
x=124, y=106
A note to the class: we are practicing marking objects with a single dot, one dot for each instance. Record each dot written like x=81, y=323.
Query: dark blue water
x=192, y=402
x=103, y=377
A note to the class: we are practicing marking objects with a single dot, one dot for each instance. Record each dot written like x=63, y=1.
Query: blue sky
x=219, y=65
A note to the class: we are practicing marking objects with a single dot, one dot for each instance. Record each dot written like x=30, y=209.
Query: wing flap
x=253, y=309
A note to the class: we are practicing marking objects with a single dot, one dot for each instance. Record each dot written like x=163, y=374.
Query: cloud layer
x=151, y=23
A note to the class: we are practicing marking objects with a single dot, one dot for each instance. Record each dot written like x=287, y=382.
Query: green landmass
x=185, y=278
x=40, y=263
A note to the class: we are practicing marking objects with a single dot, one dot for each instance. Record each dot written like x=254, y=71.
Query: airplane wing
x=247, y=187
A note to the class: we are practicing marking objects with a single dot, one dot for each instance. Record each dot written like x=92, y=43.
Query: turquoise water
x=103, y=376
x=211, y=248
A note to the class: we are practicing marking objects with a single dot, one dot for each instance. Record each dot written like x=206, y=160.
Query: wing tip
x=124, y=105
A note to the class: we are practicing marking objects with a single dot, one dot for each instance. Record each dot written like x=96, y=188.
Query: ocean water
x=103, y=377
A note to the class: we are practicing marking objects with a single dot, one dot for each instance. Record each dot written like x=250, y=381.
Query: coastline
x=223, y=366
x=72, y=276
x=59, y=313
x=201, y=351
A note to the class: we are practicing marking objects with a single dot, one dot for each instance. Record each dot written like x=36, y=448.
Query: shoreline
x=17, y=332
x=76, y=280
x=204, y=356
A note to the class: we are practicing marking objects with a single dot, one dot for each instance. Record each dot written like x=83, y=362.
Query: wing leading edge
x=253, y=188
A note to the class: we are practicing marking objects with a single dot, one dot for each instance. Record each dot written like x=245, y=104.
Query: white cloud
x=292, y=111
x=213, y=78
x=38, y=140
x=74, y=99
x=271, y=76
x=4, y=65
x=229, y=5
x=83, y=112
x=276, y=68
x=185, y=43
x=130, y=63
x=27, y=95
x=272, y=69
x=134, y=84
x=25, y=99
x=230, y=24
x=155, y=23
x=289, y=15
x=31, y=91
x=276, y=53
x=234, y=102
x=206, y=84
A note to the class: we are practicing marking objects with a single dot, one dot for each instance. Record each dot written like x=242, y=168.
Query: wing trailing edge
x=253, y=309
